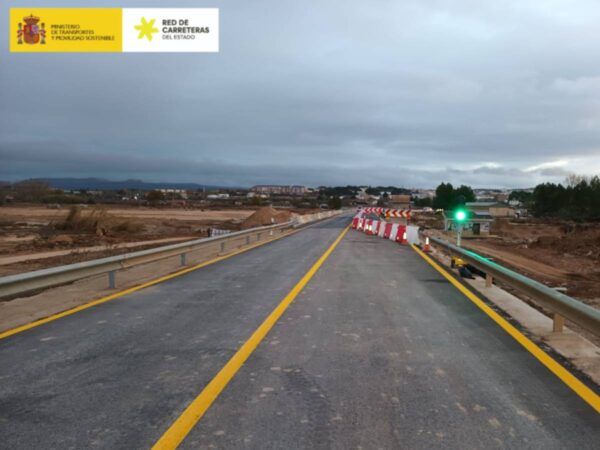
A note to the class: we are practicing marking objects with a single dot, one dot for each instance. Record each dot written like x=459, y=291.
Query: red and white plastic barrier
x=377, y=228
x=381, y=229
x=403, y=234
x=388, y=230
x=393, y=232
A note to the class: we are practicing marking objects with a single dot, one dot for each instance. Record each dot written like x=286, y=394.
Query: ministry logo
x=31, y=33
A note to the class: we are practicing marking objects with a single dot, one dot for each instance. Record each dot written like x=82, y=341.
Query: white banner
x=170, y=29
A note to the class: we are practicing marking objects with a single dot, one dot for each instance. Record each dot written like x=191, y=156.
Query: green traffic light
x=460, y=215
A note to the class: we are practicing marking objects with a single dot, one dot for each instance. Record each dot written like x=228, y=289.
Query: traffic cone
x=427, y=247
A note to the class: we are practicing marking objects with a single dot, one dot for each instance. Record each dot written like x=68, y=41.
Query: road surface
x=378, y=351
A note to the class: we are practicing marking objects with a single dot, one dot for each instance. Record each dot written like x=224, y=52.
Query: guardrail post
x=222, y=246
x=558, y=322
x=112, y=279
x=271, y=233
x=182, y=259
x=488, y=280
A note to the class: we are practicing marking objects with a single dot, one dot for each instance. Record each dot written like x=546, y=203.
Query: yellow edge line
x=194, y=412
x=563, y=374
x=108, y=298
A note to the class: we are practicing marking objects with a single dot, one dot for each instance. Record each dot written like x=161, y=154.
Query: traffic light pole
x=460, y=215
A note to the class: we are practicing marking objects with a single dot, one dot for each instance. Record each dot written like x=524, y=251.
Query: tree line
x=578, y=199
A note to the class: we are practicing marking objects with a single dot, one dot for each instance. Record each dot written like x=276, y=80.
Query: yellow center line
x=557, y=369
x=130, y=290
x=194, y=412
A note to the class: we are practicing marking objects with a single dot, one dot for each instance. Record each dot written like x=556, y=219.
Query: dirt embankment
x=558, y=254
x=34, y=237
x=266, y=216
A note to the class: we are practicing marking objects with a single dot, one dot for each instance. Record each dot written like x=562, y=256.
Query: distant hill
x=101, y=184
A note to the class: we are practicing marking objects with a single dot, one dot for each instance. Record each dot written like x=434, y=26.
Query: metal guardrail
x=30, y=281
x=561, y=305
x=39, y=279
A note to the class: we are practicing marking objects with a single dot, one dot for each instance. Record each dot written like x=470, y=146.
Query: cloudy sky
x=411, y=92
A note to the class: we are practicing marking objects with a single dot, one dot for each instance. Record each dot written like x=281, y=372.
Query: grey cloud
x=380, y=92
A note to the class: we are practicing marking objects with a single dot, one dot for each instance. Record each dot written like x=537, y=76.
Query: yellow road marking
x=194, y=412
x=563, y=374
x=108, y=298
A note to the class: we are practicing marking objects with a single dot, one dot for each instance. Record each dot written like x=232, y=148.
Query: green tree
x=521, y=196
x=335, y=203
x=548, y=199
x=463, y=195
x=444, y=195
x=578, y=200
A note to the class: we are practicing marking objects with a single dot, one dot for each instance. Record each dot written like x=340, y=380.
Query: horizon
x=125, y=180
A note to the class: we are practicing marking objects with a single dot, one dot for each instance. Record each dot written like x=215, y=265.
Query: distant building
x=362, y=194
x=400, y=201
x=502, y=197
x=490, y=209
x=217, y=196
x=423, y=193
x=278, y=189
x=256, y=195
x=181, y=192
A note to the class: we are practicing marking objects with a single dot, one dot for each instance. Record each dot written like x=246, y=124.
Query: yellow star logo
x=146, y=29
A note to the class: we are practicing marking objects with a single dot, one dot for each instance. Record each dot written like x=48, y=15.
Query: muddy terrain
x=36, y=237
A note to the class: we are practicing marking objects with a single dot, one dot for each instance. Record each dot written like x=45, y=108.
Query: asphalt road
x=378, y=351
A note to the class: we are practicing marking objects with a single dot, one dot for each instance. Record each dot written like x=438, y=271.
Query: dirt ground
x=558, y=254
x=35, y=237
x=41, y=214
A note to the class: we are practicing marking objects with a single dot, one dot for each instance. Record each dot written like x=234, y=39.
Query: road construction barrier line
x=557, y=369
x=130, y=290
x=194, y=412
